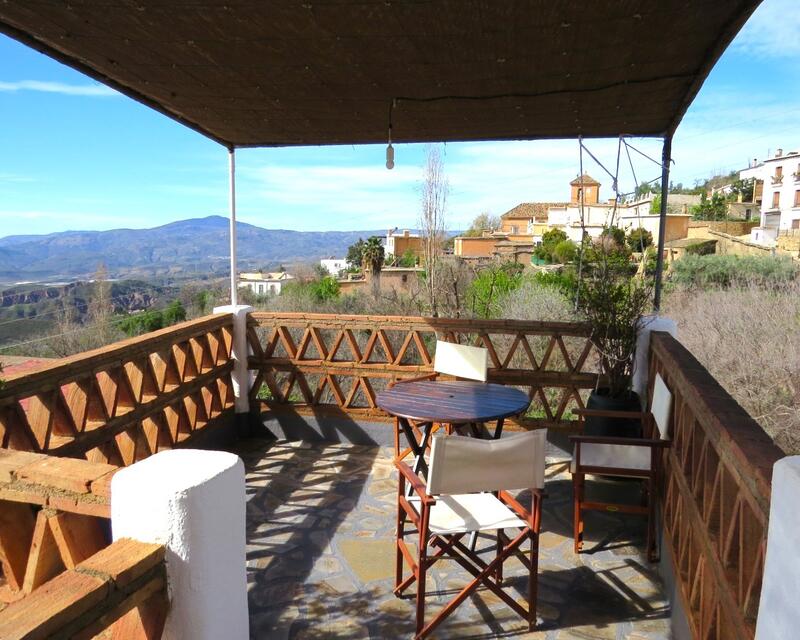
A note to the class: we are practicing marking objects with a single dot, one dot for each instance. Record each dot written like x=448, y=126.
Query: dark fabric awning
x=264, y=73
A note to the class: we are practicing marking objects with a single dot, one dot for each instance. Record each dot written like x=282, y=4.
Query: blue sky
x=76, y=155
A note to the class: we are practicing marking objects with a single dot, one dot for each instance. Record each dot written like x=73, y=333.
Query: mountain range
x=183, y=248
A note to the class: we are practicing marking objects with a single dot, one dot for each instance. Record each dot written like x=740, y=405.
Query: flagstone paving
x=320, y=558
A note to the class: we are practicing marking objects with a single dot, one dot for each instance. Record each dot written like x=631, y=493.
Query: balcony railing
x=316, y=363
x=123, y=402
x=715, y=496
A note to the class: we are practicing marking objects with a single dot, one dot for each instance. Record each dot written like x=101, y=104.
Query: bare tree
x=435, y=189
x=73, y=333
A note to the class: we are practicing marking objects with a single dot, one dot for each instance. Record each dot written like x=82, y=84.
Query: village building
x=398, y=244
x=333, y=266
x=525, y=224
x=777, y=191
x=264, y=282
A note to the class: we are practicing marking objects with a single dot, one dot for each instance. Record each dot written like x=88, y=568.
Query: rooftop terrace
x=320, y=515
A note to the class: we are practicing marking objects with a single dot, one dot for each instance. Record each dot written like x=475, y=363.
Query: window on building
x=776, y=199
x=513, y=228
x=797, y=198
x=779, y=172
x=796, y=224
x=748, y=213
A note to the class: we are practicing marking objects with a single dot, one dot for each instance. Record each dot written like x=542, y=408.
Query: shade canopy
x=272, y=73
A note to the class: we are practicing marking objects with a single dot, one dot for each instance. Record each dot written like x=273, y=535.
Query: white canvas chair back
x=661, y=406
x=460, y=360
x=466, y=465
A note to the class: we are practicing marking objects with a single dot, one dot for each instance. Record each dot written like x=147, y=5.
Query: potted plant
x=613, y=301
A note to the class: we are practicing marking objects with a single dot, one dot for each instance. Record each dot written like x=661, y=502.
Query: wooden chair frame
x=450, y=546
x=648, y=476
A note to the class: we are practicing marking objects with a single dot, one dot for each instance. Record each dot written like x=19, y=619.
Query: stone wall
x=729, y=244
x=702, y=228
x=789, y=240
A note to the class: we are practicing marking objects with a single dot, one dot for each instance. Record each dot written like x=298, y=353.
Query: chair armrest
x=428, y=376
x=636, y=442
x=603, y=413
x=512, y=503
x=413, y=479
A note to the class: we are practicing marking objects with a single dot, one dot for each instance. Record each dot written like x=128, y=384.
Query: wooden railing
x=715, y=496
x=119, y=592
x=54, y=514
x=123, y=402
x=313, y=363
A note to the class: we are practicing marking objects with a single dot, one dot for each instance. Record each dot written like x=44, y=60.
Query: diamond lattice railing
x=123, y=402
x=317, y=362
x=715, y=497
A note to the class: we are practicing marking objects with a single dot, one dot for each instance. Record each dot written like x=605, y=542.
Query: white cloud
x=59, y=87
x=772, y=31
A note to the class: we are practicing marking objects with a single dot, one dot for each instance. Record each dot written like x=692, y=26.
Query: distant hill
x=183, y=248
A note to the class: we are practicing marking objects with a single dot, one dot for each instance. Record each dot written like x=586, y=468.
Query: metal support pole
x=232, y=181
x=666, y=154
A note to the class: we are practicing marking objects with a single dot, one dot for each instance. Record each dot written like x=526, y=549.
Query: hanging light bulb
x=390, y=156
x=390, y=148
x=390, y=151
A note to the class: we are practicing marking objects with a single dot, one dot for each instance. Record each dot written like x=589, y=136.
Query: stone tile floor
x=320, y=557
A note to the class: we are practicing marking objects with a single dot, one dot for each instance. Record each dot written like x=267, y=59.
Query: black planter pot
x=613, y=427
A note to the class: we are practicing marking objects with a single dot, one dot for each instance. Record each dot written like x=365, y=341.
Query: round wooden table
x=455, y=403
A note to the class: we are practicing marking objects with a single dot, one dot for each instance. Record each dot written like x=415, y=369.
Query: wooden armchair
x=466, y=493
x=627, y=457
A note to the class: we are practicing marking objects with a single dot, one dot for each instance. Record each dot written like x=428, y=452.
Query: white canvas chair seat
x=614, y=457
x=618, y=456
x=468, y=512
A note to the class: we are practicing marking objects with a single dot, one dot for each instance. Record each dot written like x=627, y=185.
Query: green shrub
x=639, y=238
x=325, y=289
x=491, y=285
x=565, y=251
x=702, y=248
x=564, y=281
x=550, y=240
x=153, y=320
x=729, y=270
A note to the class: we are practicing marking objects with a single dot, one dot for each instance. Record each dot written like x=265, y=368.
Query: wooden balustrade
x=121, y=590
x=123, y=402
x=53, y=515
x=715, y=497
x=312, y=363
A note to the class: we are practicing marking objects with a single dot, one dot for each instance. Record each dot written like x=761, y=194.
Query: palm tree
x=372, y=257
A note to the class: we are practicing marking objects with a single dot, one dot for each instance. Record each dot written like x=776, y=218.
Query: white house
x=263, y=283
x=777, y=184
x=333, y=265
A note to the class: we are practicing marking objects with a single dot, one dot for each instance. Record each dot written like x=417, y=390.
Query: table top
x=452, y=402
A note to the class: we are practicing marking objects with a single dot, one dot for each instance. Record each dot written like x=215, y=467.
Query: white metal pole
x=232, y=181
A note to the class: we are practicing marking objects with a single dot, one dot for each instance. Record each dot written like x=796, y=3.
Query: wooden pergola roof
x=272, y=73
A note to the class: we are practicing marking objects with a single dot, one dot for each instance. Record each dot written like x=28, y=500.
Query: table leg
x=498, y=431
x=417, y=447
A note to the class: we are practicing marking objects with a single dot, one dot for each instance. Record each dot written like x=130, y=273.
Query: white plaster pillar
x=193, y=502
x=239, y=352
x=648, y=324
x=778, y=613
